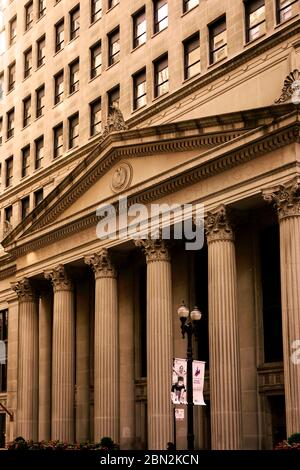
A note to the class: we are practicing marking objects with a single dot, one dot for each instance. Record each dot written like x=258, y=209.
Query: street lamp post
x=189, y=325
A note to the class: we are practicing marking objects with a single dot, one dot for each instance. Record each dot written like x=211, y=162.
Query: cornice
x=7, y=272
x=230, y=159
x=218, y=72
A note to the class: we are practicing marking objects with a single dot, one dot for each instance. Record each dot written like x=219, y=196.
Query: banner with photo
x=178, y=393
x=198, y=382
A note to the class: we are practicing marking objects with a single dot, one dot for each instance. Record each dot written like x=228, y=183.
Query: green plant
x=294, y=438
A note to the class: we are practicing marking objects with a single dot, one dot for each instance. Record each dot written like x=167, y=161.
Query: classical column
x=159, y=342
x=63, y=356
x=45, y=349
x=28, y=361
x=287, y=201
x=106, y=360
x=224, y=361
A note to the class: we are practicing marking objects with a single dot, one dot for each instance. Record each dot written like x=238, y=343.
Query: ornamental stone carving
x=101, y=264
x=24, y=290
x=218, y=225
x=291, y=88
x=115, y=122
x=155, y=249
x=59, y=279
x=286, y=198
x=122, y=176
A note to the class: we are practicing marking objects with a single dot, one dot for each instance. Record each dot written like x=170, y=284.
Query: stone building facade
x=177, y=102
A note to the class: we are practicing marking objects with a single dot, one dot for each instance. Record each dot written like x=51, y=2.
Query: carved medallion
x=291, y=88
x=122, y=176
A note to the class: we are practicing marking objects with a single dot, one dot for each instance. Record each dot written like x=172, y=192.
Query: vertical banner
x=178, y=392
x=198, y=382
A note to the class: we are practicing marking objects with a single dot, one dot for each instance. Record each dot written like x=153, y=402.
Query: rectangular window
x=1, y=130
x=11, y=76
x=26, y=111
x=139, y=89
x=10, y=123
x=96, y=59
x=96, y=10
x=59, y=87
x=160, y=15
x=41, y=46
x=39, y=152
x=113, y=98
x=74, y=76
x=9, y=171
x=112, y=3
x=27, y=62
x=218, y=40
x=58, y=140
x=95, y=117
x=4, y=339
x=59, y=35
x=73, y=130
x=38, y=197
x=40, y=100
x=286, y=9
x=1, y=85
x=189, y=4
x=25, y=160
x=191, y=56
x=12, y=31
x=28, y=15
x=74, y=22
x=161, y=76
x=255, y=19
x=42, y=8
x=8, y=214
x=139, y=28
x=114, y=46
x=25, y=207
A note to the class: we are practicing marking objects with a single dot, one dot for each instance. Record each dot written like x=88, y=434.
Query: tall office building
x=159, y=102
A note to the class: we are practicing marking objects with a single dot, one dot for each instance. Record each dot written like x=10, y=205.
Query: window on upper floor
x=113, y=98
x=1, y=85
x=28, y=15
x=74, y=22
x=189, y=4
x=139, y=89
x=139, y=27
x=12, y=30
x=26, y=111
x=255, y=19
x=96, y=59
x=59, y=87
x=25, y=207
x=9, y=163
x=40, y=101
x=38, y=196
x=112, y=3
x=217, y=40
x=41, y=47
x=4, y=339
x=286, y=9
x=160, y=15
x=25, y=155
x=96, y=10
x=114, y=46
x=73, y=130
x=10, y=123
x=27, y=62
x=11, y=76
x=1, y=130
x=8, y=214
x=58, y=140
x=41, y=8
x=74, y=76
x=191, y=47
x=161, y=76
x=59, y=35
x=95, y=117
x=39, y=152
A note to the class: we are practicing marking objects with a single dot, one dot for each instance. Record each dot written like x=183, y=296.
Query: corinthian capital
x=286, y=198
x=101, y=264
x=155, y=249
x=24, y=290
x=59, y=278
x=218, y=225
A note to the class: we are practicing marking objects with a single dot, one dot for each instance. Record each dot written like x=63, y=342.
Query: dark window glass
x=139, y=28
x=161, y=76
x=41, y=46
x=4, y=340
x=59, y=87
x=42, y=8
x=58, y=141
x=25, y=160
x=95, y=110
x=96, y=10
x=39, y=152
x=74, y=22
x=10, y=123
x=40, y=101
x=96, y=59
x=27, y=62
x=74, y=76
x=286, y=9
x=26, y=111
x=113, y=98
x=59, y=35
x=73, y=131
x=12, y=31
x=114, y=46
x=255, y=19
x=160, y=15
x=139, y=89
x=192, y=56
x=11, y=76
x=38, y=196
x=218, y=40
x=25, y=207
x=9, y=171
x=189, y=4
x=28, y=15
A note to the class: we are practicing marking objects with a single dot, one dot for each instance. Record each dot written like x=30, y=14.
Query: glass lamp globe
x=183, y=312
x=196, y=314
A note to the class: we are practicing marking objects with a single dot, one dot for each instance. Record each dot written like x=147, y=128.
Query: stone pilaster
x=63, y=355
x=106, y=360
x=28, y=361
x=287, y=202
x=159, y=342
x=224, y=349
